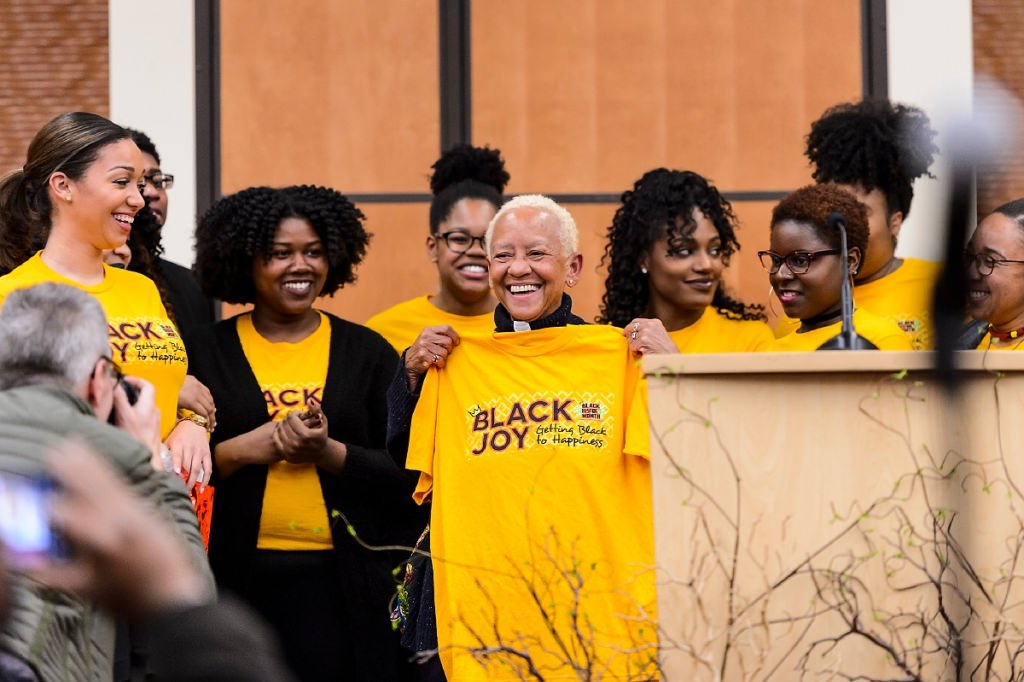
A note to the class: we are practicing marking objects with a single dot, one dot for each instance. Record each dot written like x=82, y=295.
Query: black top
x=192, y=308
x=373, y=493
x=562, y=316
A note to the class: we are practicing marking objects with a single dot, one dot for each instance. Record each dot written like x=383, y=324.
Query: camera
x=130, y=392
x=26, y=530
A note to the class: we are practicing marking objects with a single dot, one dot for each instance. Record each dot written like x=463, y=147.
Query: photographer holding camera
x=58, y=381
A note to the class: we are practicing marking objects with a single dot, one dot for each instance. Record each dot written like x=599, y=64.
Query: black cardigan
x=373, y=492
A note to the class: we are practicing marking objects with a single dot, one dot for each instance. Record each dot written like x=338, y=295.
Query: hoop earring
x=771, y=302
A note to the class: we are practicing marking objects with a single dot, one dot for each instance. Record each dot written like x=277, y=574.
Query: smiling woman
x=467, y=184
x=806, y=274
x=995, y=274
x=531, y=445
x=300, y=434
x=78, y=194
x=875, y=150
x=668, y=247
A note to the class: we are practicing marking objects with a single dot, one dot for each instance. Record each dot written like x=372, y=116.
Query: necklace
x=1006, y=336
x=818, y=321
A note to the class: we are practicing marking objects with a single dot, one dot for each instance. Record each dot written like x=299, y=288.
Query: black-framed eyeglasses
x=159, y=180
x=115, y=370
x=117, y=375
x=985, y=263
x=798, y=262
x=460, y=242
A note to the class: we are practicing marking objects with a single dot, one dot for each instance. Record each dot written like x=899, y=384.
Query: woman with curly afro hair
x=304, y=483
x=875, y=150
x=806, y=274
x=668, y=246
x=467, y=185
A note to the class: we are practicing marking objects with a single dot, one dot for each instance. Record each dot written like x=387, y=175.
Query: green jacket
x=60, y=636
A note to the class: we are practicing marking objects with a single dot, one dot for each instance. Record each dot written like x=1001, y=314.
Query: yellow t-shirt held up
x=294, y=515
x=533, y=447
x=143, y=340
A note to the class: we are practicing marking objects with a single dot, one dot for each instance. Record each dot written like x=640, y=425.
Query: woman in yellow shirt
x=467, y=184
x=668, y=247
x=532, y=444
x=875, y=150
x=299, y=447
x=806, y=273
x=995, y=277
x=78, y=194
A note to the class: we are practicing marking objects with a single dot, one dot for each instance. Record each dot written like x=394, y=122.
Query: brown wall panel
x=580, y=95
x=586, y=95
x=342, y=93
x=396, y=267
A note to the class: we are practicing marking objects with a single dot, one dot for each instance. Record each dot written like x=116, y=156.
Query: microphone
x=847, y=339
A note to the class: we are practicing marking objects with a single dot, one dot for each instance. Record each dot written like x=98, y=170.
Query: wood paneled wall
x=581, y=96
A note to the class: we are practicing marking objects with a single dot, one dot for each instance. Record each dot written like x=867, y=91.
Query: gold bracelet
x=189, y=415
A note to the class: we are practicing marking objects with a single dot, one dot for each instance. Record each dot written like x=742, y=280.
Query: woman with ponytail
x=467, y=185
x=75, y=198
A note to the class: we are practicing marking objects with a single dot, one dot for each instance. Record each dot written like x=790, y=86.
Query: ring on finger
x=434, y=359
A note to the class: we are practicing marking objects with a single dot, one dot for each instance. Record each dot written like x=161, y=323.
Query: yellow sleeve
x=423, y=435
x=638, y=429
x=760, y=337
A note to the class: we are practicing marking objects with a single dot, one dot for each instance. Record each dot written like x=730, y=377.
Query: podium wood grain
x=788, y=484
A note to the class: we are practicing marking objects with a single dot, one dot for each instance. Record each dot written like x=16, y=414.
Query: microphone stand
x=847, y=339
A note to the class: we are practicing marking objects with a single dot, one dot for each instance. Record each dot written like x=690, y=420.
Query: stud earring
x=643, y=269
x=67, y=196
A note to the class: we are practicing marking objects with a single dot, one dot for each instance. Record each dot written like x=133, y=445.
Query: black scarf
x=560, y=318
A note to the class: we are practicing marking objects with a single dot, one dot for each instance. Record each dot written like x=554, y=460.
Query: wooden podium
x=836, y=514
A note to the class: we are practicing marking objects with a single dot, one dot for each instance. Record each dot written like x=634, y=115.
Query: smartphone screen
x=25, y=525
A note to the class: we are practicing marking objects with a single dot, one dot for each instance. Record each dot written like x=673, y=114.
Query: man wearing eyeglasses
x=57, y=381
x=192, y=309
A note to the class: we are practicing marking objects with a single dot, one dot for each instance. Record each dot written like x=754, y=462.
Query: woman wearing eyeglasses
x=806, y=273
x=668, y=246
x=875, y=150
x=467, y=184
x=995, y=277
x=78, y=193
